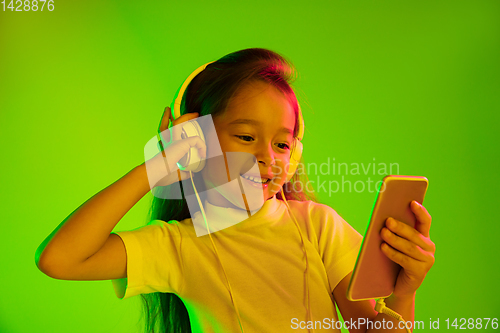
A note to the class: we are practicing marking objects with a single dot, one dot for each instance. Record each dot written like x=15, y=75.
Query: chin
x=230, y=195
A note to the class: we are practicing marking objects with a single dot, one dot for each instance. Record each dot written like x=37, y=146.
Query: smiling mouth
x=257, y=180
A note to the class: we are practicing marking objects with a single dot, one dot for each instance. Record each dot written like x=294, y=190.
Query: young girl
x=284, y=267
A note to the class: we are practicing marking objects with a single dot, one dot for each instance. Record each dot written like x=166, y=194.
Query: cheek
x=223, y=139
x=212, y=142
x=282, y=166
x=215, y=171
x=228, y=166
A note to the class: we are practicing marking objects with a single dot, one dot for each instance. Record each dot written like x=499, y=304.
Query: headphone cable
x=309, y=314
x=217, y=254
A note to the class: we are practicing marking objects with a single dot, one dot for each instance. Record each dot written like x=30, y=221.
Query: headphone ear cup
x=192, y=160
x=294, y=159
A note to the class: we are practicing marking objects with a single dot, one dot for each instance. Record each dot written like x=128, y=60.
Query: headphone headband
x=175, y=107
x=300, y=130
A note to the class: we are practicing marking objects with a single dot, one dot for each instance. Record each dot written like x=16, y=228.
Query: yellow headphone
x=193, y=163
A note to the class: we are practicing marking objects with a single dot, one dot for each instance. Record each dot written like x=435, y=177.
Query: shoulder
x=332, y=236
x=314, y=211
x=157, y=235
x=160, y=228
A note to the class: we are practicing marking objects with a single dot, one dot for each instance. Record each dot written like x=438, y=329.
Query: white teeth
x=255, y=180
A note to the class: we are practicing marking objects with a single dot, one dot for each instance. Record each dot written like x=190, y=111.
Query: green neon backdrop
x=82, y=89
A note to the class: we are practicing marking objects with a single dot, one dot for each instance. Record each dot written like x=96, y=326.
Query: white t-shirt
x=264, y=261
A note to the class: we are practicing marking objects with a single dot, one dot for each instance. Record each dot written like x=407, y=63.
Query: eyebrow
x=256, y=123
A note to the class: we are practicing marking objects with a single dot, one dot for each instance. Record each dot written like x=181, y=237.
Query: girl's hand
x=411, y=248
x=176, y=148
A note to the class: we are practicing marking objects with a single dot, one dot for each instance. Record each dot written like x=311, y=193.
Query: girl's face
x=258, y=121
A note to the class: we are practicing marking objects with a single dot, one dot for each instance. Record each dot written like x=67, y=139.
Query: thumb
x=165, y=120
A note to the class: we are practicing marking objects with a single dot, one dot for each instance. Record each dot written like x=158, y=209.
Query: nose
x=265, y=155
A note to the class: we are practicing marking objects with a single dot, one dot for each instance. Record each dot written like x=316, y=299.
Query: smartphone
x=374, y=274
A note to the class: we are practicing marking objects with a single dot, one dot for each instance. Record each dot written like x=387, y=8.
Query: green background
x=82, y=89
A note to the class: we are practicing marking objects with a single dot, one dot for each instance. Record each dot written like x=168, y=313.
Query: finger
x=403, y=245
x=177, y=127
x=199, y=144
x=165, y=138
x=411, y=266
x=185, y=117
x=178, y=149
x=165, y=120
x=396, y=256
x=424, y=219
x=409, y=233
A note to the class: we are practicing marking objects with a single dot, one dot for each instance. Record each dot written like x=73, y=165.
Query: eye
x=245, y=137
x=284, y=146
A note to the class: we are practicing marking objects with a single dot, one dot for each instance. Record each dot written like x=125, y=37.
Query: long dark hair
x=209, y=93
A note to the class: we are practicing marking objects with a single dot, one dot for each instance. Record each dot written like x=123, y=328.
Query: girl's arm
x=82, y=246
x=70, y=252
x=414, y=251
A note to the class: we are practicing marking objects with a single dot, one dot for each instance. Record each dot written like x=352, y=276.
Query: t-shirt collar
x=220, y=218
